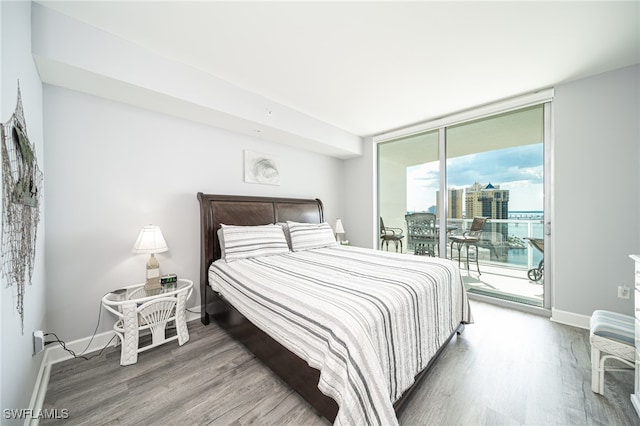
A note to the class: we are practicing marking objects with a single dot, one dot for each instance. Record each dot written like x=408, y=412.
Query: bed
x=274, y=305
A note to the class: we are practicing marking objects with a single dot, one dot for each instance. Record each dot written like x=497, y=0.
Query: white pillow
x=306, y=236
x=221, y=242
x=242, y=242
x=285, y=229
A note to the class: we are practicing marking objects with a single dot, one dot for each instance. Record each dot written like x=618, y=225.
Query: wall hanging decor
x=21, y=188
x=261, y=168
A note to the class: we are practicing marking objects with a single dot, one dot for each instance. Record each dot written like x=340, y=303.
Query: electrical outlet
x=38, y=341
x=623, y=292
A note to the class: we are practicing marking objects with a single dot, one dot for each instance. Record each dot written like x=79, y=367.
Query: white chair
x=612, y=336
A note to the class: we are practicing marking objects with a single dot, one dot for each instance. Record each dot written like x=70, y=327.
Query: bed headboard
x=243, y=210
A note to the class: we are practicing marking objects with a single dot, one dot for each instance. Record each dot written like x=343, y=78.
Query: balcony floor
x=503, y=282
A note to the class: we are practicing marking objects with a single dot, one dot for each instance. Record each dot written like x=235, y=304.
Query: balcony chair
x=387, y=234
x=422, y=234
x=469, y=238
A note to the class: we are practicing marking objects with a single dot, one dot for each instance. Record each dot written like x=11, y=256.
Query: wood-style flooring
x=509, y=368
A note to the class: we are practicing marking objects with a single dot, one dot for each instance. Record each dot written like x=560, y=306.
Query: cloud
x=519, y=169
x=521, y=163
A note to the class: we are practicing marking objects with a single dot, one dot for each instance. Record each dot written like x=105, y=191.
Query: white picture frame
x=261, y=168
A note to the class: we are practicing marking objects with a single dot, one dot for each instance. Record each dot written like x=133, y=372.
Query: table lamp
x=339, y=230
x=151, y=241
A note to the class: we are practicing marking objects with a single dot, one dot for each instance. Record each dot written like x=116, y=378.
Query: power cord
x=64, y=346
x=81, y=355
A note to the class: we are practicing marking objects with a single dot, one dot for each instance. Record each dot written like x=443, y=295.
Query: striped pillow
x=241, y=242
x=306, y=236
x=285, y=229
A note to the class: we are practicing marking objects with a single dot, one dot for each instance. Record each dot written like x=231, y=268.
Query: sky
x=518, y=169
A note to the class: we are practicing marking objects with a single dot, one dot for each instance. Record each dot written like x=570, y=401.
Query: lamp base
x=152, y=284
x=153, y=274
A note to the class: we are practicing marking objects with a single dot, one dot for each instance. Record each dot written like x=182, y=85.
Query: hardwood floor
x=507, y=368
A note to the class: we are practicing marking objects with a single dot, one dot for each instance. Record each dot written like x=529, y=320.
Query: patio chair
x=387, y=234
x=469, y=238
x=422, y=234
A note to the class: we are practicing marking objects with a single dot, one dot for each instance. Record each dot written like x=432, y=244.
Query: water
x=519, y=257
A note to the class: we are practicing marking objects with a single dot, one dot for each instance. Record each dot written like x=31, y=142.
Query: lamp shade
x=150, y=240
x=338, y=227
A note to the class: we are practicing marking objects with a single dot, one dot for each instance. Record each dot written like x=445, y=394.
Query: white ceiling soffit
x=355, y=68
x=74, y=55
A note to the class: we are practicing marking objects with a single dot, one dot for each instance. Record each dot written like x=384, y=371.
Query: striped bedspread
x=368, y=320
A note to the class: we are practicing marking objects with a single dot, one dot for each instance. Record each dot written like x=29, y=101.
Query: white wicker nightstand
x=138, y=309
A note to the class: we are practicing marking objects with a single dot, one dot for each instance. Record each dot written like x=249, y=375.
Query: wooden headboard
x=242, y=210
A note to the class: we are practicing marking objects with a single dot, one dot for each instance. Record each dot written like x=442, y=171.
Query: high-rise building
x=487, y=201
x=492, y=202
x=454, y=203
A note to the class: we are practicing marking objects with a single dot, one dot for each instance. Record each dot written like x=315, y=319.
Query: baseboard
x=192, y=316
x=39, y=389
x=635, y=400
x=54, y=353
x=570, y=318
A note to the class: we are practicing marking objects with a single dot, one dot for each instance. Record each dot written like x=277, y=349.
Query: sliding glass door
x=491, y=167
x=496, y=165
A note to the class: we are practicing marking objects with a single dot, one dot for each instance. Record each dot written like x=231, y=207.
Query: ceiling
x=371, y=67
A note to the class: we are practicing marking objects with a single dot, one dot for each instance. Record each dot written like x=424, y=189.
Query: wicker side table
x=138, y=310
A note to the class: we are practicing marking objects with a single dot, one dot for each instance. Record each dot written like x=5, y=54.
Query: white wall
x=597, y=208
x=18, y=367
x=359, y=217
x=596, y=187
x=112, y=168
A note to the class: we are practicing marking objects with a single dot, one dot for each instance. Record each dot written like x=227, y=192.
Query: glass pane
x=408, y=180
x=495, y=169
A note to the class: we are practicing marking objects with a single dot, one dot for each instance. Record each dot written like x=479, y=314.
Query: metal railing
x=503, y=241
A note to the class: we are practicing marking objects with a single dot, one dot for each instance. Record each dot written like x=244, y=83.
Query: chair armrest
x=394, y=231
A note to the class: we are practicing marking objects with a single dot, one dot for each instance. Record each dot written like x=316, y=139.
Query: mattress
x=368, y=320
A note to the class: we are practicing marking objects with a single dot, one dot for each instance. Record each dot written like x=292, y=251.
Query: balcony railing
x=504, y=243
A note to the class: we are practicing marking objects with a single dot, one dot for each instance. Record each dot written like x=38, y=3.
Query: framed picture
x=261, y=168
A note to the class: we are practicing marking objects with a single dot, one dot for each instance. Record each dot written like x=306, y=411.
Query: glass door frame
x=548, y=203
x=543, y=97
